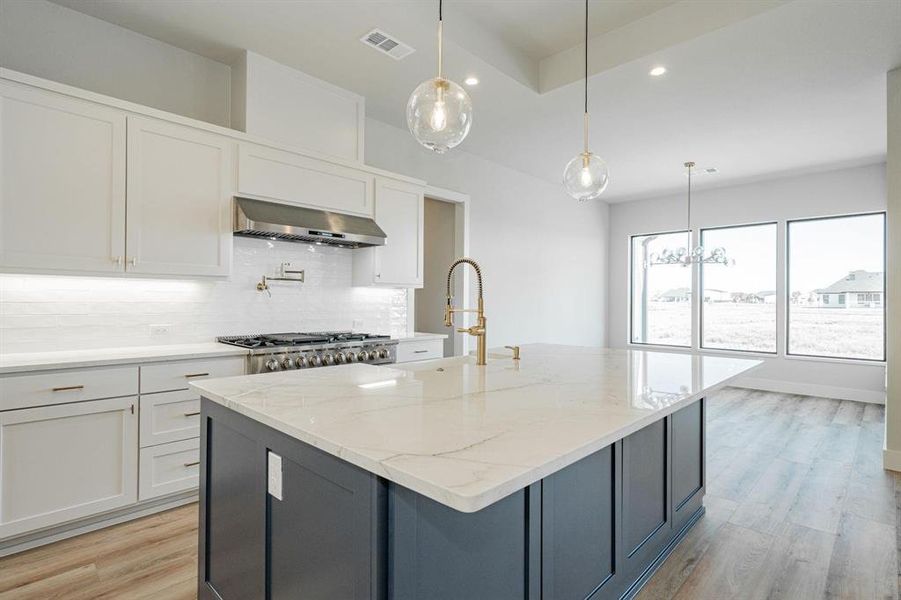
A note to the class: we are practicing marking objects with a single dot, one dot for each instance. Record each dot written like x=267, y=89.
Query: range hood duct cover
x=272, y=220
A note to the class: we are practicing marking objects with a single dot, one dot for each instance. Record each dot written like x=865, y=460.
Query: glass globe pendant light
x=585, y=176
x=439, y=112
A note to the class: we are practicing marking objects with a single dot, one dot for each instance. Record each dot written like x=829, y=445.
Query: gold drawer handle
x=192, y=464
x=68, y=388
x=190, y=375
x=192, y=414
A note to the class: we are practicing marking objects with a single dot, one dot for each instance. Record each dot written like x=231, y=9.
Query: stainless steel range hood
x=271, y=220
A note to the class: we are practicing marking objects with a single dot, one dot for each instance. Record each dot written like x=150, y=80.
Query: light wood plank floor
x=798, y=507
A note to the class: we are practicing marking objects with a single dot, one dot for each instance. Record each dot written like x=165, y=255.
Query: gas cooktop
x=281, y=340
x=285, y=351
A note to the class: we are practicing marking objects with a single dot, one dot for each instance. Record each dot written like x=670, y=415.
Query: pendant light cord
x=440, y=39
x=586, y=56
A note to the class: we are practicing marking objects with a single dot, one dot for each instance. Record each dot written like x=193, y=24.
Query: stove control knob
x=352, y=357
x=288, y=363
x=329, y=359
x=301, y=362
x=363, y=356
x=341, y=358
x=383, y=353
x=272, y=365
x=315, y=361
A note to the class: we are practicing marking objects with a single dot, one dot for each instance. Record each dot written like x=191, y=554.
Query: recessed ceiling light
x=657, y=71
x=471, y=81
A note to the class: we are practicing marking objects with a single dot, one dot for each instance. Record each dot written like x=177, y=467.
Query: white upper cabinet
x=280, y=175
x=62, y=182
x=180, y=187
x=399, y=212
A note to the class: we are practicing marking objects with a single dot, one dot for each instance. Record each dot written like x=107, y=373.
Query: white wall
x=40, y=312
x=543, y=255
x=60, y=44
x=892, y=459
x=843, y=191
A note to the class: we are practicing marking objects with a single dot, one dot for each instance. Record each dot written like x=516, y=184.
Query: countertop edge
x=129, y=356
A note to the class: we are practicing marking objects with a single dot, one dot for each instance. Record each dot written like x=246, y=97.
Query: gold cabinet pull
x=190, y=375
x=192, y=464
x=67, y=388
x=192, y=414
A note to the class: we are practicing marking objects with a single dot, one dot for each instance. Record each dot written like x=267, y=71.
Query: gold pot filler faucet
x=477, y=330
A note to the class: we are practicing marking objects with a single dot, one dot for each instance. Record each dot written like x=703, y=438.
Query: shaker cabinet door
x=180, y=188
x=64, y=462
x=399, y=211
x=62, y=183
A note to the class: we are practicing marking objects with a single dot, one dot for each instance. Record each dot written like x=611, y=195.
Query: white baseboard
x=891, y=460
x=61, y=532
x=810, y=389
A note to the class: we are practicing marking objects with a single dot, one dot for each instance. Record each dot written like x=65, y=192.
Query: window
x=739, y=309
x=830, y=262
x=661, y=294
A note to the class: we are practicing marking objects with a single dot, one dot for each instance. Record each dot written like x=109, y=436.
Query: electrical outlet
x=160, y=330
x=274, y=477
x=358, y=324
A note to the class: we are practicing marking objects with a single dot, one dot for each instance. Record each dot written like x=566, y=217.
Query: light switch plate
x=275, y=475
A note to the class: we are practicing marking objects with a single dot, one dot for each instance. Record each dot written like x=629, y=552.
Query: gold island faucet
x=478, y=330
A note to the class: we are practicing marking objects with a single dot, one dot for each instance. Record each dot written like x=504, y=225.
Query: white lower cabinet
x=412, y=350
x=169, y=468
x=65, y=462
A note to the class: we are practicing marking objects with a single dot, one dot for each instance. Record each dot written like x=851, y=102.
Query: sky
x=821, y=252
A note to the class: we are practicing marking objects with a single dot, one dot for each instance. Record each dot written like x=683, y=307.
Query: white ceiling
x=753, y=88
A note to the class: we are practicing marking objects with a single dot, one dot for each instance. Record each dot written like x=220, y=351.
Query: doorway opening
x=445, y=238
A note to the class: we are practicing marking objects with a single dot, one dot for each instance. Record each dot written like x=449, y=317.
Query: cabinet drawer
x=421, y=350
x=168, y=468
x=280, y=175
x=169, y=417
x=75, y=385
x=172, y=376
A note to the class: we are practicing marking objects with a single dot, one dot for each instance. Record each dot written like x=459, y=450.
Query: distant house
x=712, y=295
x=767, y=296
x=859, y=289
x=674, y=295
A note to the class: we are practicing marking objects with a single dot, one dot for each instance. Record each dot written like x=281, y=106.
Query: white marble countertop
x=467, y=436
x=70, y=359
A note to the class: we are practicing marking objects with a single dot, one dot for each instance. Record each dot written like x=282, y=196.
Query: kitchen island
x=570, y=473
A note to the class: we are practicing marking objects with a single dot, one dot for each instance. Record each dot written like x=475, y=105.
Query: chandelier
x=697, y=255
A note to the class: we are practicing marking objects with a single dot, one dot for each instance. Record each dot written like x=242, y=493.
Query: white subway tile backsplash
x=75, y=312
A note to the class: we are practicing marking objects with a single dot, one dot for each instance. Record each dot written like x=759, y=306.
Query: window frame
x=631, y=286
x=700, y=307
x=856, y=359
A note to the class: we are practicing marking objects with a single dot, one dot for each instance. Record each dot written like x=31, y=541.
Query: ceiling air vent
x=387, y=44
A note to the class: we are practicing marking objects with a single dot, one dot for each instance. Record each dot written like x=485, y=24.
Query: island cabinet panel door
x=323, y=542
x=232, y=547
x=579, y=524
x=688, y=463
x=646, y=518
x=439, y=553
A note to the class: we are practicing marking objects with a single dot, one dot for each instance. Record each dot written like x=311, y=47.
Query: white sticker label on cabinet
x=275, y=475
